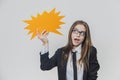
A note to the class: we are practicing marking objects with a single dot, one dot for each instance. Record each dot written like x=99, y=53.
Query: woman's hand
x=43, y=37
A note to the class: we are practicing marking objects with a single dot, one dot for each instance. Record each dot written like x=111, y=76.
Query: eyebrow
x=78, y=30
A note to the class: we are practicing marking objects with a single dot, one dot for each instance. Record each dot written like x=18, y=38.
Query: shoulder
x=93, y=48
x=59, y=51
x=93, y=54
x=93, y=51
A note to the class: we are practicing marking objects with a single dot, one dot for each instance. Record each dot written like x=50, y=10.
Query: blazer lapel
x=64, y=68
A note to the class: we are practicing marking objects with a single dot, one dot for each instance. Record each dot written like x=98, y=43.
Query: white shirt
x=69, y=72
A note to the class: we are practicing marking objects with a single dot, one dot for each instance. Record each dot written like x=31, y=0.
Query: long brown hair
x=85, y=48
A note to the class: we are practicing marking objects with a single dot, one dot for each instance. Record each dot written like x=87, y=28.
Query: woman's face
x=78, y=35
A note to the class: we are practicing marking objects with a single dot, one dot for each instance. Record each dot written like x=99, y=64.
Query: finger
x=43, y=32
x=46, y=34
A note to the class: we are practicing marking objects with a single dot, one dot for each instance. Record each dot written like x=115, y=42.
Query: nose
x=78, y=34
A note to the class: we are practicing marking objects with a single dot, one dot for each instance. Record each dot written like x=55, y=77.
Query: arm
x=93, y=65
x=46, y=62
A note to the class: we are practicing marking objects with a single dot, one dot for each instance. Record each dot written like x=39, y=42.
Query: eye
x=82, y=33
x=74, y=30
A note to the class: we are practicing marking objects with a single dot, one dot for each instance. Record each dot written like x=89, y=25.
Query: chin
x=76, y=45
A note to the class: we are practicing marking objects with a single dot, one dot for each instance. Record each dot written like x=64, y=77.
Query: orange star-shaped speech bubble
x=49, y=21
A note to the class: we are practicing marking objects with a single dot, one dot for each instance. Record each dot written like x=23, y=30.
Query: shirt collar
x=77, y=49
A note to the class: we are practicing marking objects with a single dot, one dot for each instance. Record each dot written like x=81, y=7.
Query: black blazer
x=48, y=63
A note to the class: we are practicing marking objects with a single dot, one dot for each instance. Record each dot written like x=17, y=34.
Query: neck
x=76, y=46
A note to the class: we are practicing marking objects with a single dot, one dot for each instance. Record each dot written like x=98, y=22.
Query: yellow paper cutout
x=45, y=21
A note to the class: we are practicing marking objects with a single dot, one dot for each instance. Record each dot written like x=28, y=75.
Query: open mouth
x=76, y=39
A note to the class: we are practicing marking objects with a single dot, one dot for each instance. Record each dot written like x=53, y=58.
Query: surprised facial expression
x=78, y=35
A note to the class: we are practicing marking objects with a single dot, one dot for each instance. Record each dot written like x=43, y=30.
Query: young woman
x=75, y=61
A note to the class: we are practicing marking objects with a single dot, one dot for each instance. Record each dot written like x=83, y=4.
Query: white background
x=19, y=56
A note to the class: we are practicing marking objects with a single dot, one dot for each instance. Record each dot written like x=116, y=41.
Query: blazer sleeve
x=93, y=65
x=46, y=62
